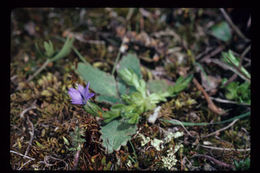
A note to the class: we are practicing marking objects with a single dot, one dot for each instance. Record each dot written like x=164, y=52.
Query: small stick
x=226, y=149
x=183, y=127
x=211, y=105
x=26, y=110
x=233, y=77
x=236, y=29
x=117, y=59
x=213, y=133
x=228, y=101
x=203, y=53
x=76, y=160
x=243, y=55
x=39, y=70
x=226, y=67
x=219, y=163
x=24, y=164
x=211, y=54
x=27, y=157
x=32, y=135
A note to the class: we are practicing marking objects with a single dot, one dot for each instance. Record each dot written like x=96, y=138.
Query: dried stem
x=243, y=55
x=228, y=101
x=27, y=157
x=183, y=127
x=211, y=105
x=236, y=29
x=31, y=134
x=227, y=67
x=24, y=164
x=76, y=160
x=26, y=110
x=219, y=163
x=213, y=53
x=213, y=133
x=39, y=70
x=225, y=149
x=232, y=78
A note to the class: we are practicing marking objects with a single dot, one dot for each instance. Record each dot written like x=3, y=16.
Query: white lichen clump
x=170, y=160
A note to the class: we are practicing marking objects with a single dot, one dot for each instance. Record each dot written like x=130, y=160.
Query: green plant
x=221, y=31
x=239, y=92
x=129, y=96
x=50, y=52
x=77, y=139
x=242, y=165
x=233, y=62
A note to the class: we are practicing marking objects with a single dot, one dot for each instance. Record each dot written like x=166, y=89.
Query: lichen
x=170, y=160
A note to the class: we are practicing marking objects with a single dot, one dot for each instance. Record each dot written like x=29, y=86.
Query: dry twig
x=26, y=110
x=31, y=134
x=213, y=133
x=183, y=127
x=24, y=164
x=228, y=101
x=27, y=157
x=236, y=29
x=211, y=105
x=219, y=163
x=243, y=55
x=225, y=149
x=76, y=160
x=213, y=53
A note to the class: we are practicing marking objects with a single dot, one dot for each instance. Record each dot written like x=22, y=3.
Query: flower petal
x=81, y=89
x=86, y=92
x=90, y=95
x=75, y=95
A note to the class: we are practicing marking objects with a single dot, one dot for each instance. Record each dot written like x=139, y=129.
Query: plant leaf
x=130, y=61
x=93, y=109
x=101, y=82
x=49, y=50
x=108, y=99
x=221, y=31
x=230, y=59
x=181, y=84
x=156, y=86
x=131, y=79
x=65, y=50
x=116, y=134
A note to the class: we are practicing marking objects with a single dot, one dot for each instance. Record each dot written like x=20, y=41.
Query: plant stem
x=117, y=59
x=79, y=55
x=39, y=70
x=76, y=160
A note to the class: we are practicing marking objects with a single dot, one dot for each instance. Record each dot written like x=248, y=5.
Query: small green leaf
x=221, y=31
x=65, y=50
x=181, y=84
x=131, y=79
x=156, y=86
x=134, y=118
x=110, y=115
x=65, y=140
x=238, y=92
x=93, y=109
x=39, y=145
x=116, y=134
x=230, y=59
x=130, y=61
x=49, y=50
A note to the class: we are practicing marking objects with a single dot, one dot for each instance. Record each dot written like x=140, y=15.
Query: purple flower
x=81, y=95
